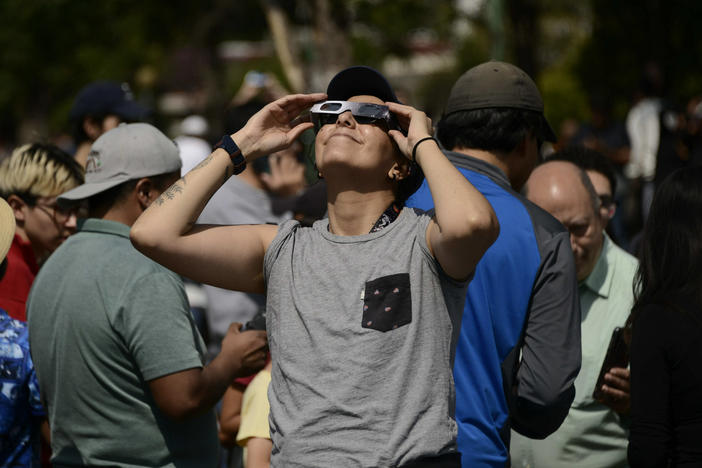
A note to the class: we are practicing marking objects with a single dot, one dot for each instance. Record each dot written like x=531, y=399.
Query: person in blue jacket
x=518, y=352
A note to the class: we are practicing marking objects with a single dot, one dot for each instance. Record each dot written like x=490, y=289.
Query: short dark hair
x=105, y=200
x=588, y=160
x=492, y=129
x=670, y=268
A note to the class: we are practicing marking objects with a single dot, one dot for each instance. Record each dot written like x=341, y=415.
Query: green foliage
x=474, y=50
x=51, y=48
x=434, y=90
x=391, y=21
x=563, y=96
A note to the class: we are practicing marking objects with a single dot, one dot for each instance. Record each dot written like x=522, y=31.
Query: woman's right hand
x=275, y=127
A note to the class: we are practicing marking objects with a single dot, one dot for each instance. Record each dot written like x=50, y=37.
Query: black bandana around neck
x=388, y=216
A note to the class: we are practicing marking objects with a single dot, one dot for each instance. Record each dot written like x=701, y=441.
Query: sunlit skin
x=357, y=149
x=556, y=187
x=43, y=227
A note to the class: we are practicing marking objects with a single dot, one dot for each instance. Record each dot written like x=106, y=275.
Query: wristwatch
x=228, y=145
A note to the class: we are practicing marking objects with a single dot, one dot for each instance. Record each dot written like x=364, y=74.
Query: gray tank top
x=362, y=332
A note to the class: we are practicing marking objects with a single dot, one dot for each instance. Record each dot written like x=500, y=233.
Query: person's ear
x=399, y=171
x=146, y=192
x=92, y=128
x=607, y=213
x=611, y=211
x=19, y=207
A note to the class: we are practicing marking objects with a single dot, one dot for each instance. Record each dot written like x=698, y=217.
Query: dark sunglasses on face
x=328, y=112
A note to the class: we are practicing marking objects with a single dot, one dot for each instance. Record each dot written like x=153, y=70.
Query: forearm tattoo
x=177, y=187
x=171, y=192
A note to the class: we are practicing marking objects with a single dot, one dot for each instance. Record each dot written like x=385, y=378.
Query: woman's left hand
x=416, y=122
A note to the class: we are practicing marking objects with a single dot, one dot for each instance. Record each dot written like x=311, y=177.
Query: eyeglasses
x=324, y=113
x=61, y=215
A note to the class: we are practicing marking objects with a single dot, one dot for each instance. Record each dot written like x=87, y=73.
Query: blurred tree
x=332, y=35
x=51, y=48
x=524, y=17
x=627, y=34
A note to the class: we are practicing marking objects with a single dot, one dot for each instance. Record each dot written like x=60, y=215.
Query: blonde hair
x=38, y=170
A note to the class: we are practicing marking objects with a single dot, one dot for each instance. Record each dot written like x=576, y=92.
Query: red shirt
x=14, y=286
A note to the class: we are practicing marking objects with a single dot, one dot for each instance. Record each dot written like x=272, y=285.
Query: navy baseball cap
x=360, y=80
x=107, y=97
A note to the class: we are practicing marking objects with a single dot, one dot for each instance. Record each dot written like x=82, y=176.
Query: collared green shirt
x=105, y=320
x=592, y=435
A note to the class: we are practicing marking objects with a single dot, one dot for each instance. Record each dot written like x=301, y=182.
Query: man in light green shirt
x=594, y=434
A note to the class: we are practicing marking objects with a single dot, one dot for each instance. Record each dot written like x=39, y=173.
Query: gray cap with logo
x=498, y=85
x=129, y=151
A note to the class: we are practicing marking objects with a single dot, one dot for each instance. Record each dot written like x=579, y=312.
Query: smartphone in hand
x=256, y=323
x=617, y=356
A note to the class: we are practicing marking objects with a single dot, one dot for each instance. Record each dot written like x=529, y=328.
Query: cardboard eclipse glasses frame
x=327, y=112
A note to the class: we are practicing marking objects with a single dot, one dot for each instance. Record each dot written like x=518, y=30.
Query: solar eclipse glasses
x=328, y=112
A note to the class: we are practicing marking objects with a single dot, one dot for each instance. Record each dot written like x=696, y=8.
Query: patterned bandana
x=388, y=216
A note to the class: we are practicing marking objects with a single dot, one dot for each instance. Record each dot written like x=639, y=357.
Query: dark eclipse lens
x=331, y=106
x=364, y=113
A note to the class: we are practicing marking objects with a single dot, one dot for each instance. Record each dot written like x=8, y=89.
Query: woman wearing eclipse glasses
x=363, y=308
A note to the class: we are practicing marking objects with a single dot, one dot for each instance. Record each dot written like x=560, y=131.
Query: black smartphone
x=617, y=356
x=256, y=323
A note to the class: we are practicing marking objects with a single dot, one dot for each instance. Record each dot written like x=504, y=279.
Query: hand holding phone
x=614, y=373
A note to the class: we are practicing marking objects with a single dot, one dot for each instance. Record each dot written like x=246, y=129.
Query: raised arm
x=464, y=225
x=225, y=256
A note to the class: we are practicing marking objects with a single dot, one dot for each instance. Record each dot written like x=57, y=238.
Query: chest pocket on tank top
x=387, y=303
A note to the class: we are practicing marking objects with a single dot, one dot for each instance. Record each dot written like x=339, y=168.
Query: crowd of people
x=458, y=294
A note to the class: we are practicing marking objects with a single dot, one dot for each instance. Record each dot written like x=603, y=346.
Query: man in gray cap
x=118, y=357
x=518, y=352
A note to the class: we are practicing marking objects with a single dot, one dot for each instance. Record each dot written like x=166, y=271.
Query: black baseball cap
x=360, y=80
x=498, y=85
x=107, y=97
